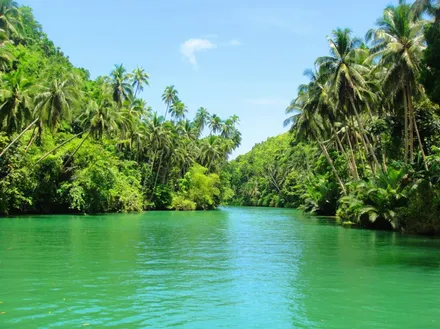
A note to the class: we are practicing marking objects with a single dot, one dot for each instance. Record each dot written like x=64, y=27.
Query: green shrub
x=180, y=203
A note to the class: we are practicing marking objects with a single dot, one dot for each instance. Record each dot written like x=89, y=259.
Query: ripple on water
x=234, y=268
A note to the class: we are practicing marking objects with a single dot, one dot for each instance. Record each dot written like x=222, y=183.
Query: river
x=231, y=268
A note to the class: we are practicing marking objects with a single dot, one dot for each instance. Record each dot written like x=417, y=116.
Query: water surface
x=233, y=268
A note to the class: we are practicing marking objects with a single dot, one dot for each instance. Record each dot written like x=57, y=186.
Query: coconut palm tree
x=159, y=136
x=308, y=124
x=121, y=87
x=178, y=110
x=15, y=102
x=139, y=78
x=100, y=118
x=10, y=18
x=54, y=102
x=210, y=150
x=347, y=79
x=187, y=129
x=215, y=124
x=398, y=44
x=169, y=96
x=201, y=119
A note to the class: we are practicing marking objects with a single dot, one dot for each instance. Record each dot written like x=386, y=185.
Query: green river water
x=232, y=268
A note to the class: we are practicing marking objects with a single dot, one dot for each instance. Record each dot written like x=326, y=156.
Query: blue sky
x=243, y=57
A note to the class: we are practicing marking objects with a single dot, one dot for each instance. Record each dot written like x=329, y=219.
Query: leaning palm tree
x=53, y=103
x=139, y=78
x=398, y=43
x=15, y=103
x=121, y=87
x=347, y=79
x=308, y=124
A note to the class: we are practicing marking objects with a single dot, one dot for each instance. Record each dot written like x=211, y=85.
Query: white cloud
x=268, y=101
x=190, y=47
x=234, y=42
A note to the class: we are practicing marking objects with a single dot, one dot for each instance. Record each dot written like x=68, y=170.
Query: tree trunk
x=330, y=161
x=378, y=141
x=352, y=158
x=411, y=123
x=32, y=140
x=420, y=143
x=56, y=148
x=405, y=114
x=76, y=150
x=18, y=137
x=157, y=174
x=364, y=136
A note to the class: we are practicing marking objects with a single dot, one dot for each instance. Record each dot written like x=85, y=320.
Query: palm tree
x=431, y=7
x=139, y=78
x=5, y=53
x=201, y=119
x=16, y=103
x=10, y=17
x=187, y=129
x=54, y=102
x=169, y=96
x=210, y=150
x=121, y=87
x=215, y=123
x=398, y=43
x=227, y=128
x=308, y=124
x=138, y=107
x=347, y=78
x=158, y=134
x=178, y=110
x=100, y=118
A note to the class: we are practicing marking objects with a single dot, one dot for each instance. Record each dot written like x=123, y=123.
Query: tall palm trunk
x=332, y=165
x=364, y=136
x=413, y=119
x=157, y=173
x=405, y=114
x=32, y=139
x=361, y=144
x=76, y=150
x=166, y=111
x=411, y=122
x=377, y=141
x=57, y=147
x=352, y=158
x=18, y=137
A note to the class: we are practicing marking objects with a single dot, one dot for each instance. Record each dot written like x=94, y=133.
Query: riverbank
x=283, y=172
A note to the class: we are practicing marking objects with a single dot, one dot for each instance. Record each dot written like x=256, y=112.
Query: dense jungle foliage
x=365, y=130
x=72, y=144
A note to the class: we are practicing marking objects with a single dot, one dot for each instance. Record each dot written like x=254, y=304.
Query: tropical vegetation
x=364, y=130
x=70, y=143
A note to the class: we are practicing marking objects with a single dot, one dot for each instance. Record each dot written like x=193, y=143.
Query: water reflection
x=246, y=268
